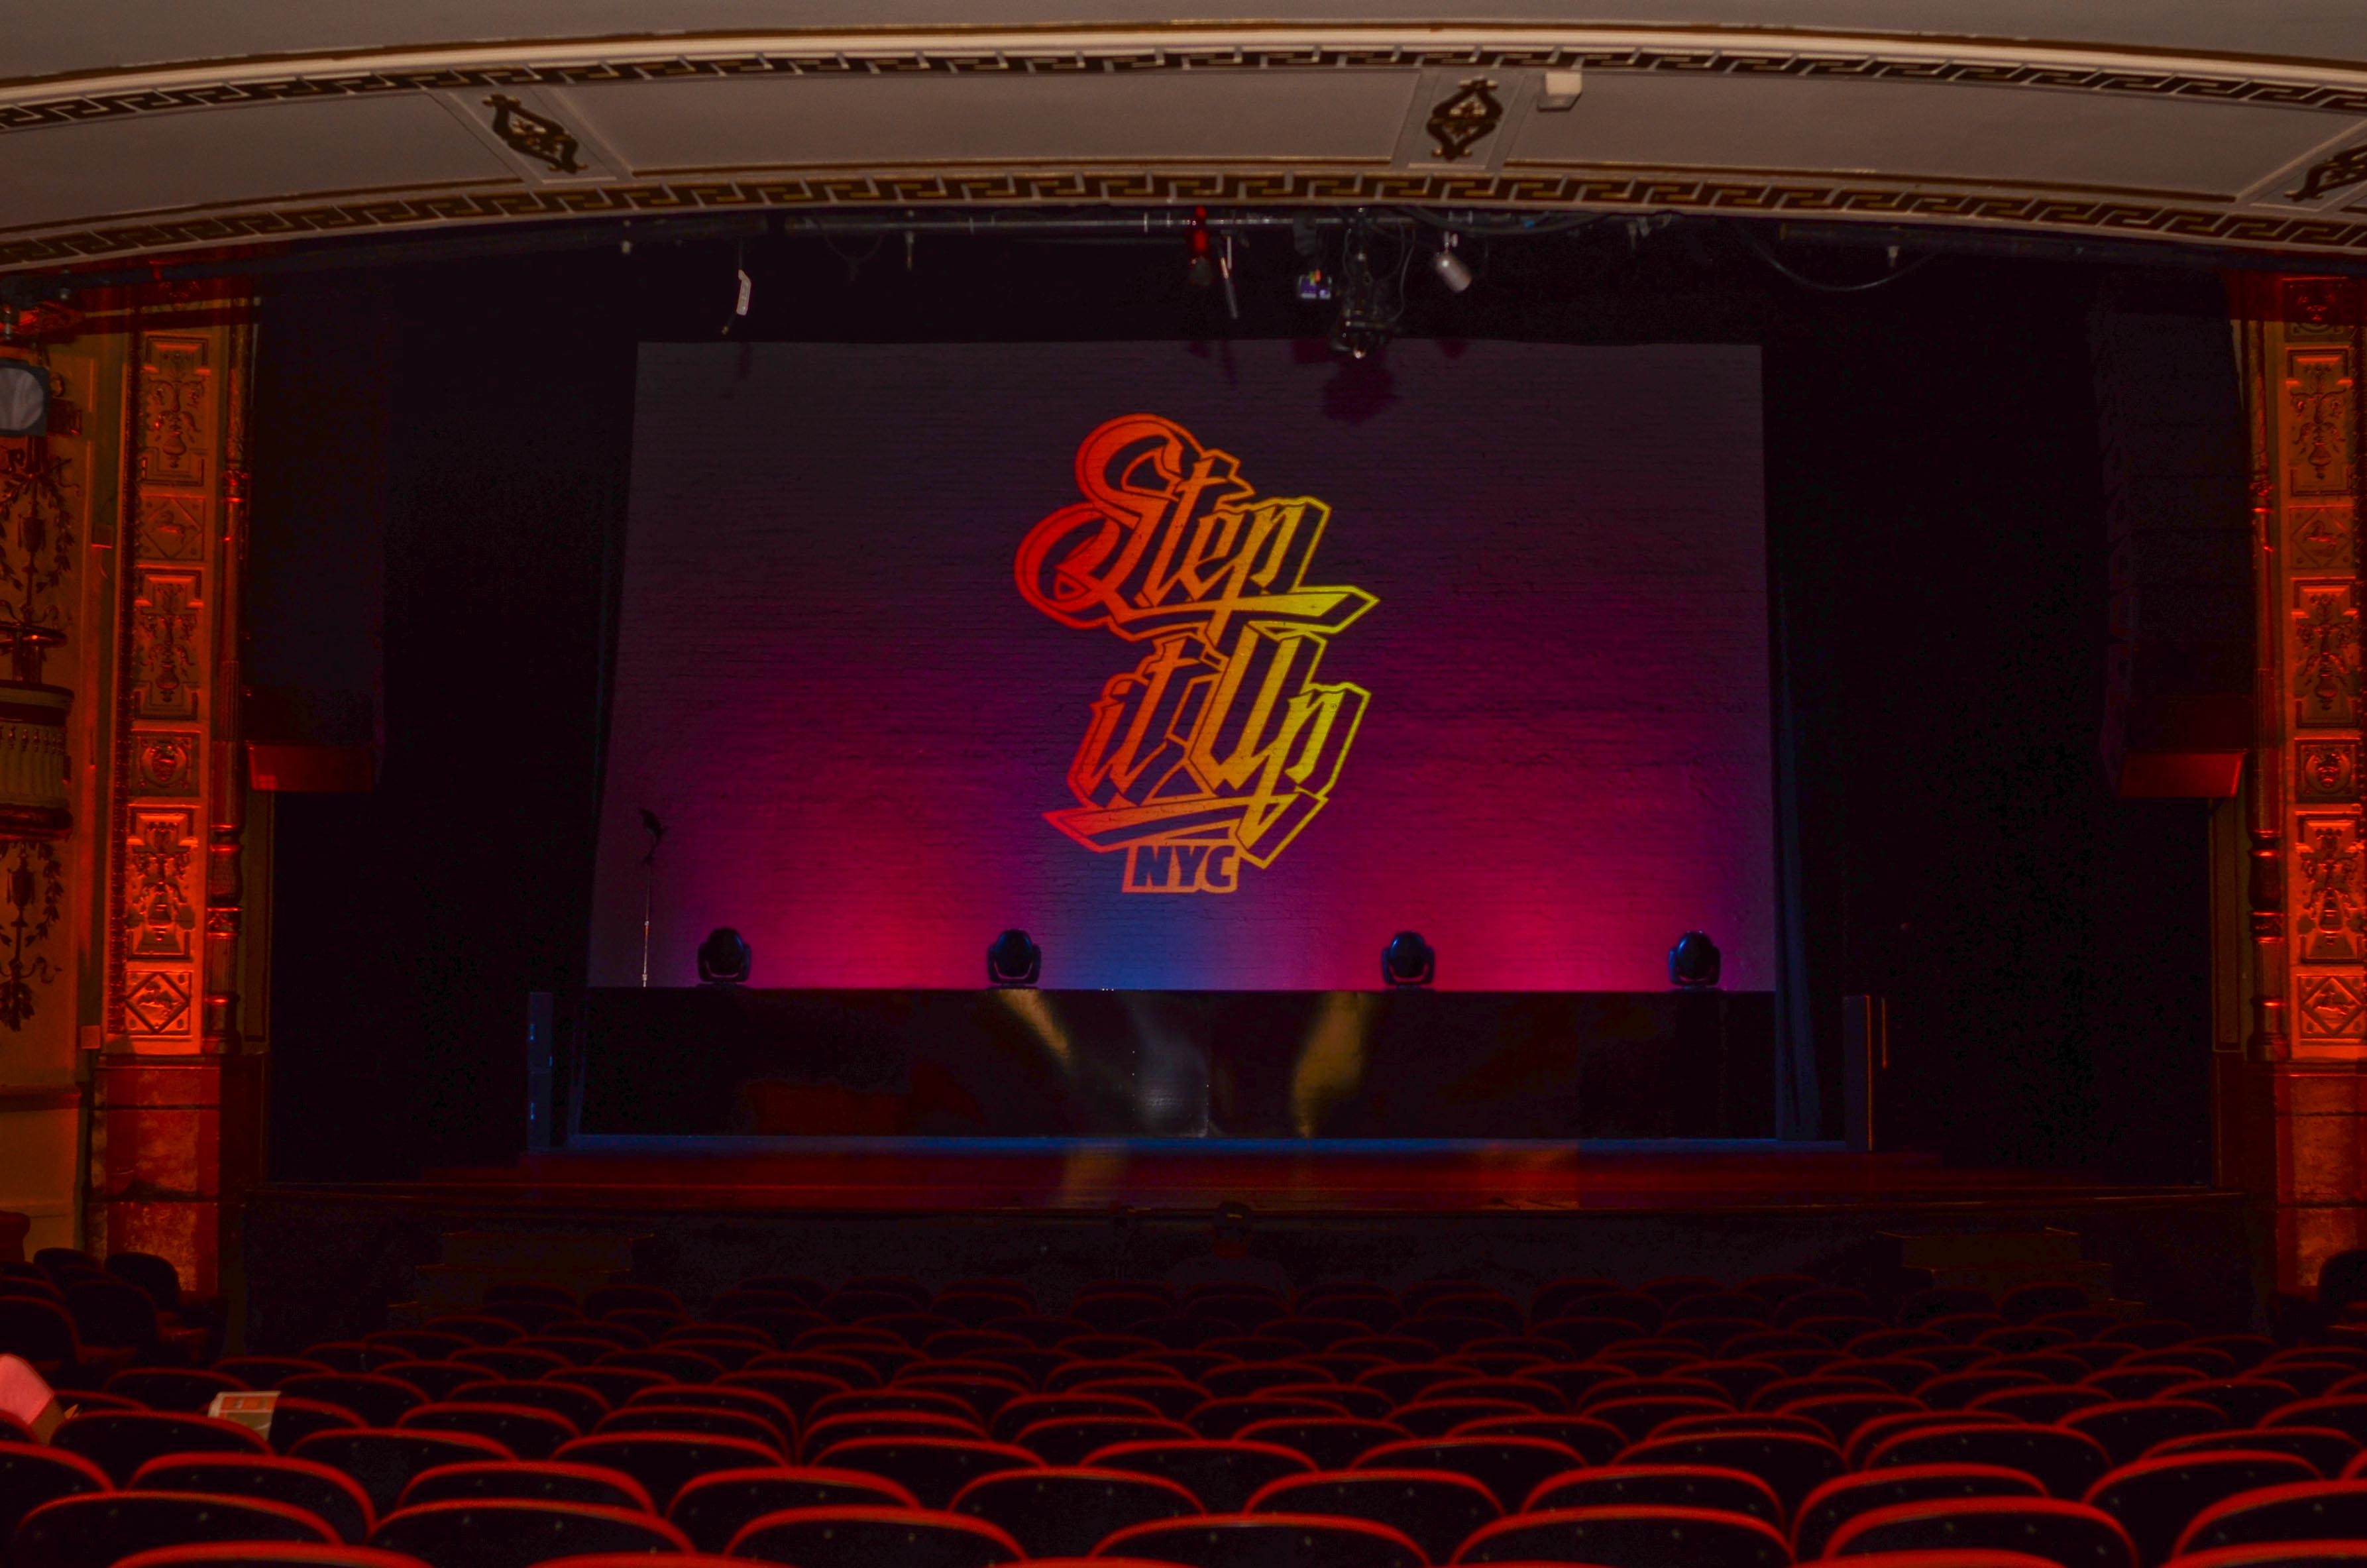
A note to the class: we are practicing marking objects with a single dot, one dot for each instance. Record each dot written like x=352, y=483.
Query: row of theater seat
x=1684, y=1423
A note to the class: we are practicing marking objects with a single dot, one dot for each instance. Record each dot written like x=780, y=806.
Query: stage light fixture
x=1694, y=962
x=1199, y=267
x=724, y=958
x=24, y=398
x=1408, y=960
x=1013, y=959
x=1452, y=269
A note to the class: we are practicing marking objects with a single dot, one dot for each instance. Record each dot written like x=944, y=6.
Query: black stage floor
x=697, y=1214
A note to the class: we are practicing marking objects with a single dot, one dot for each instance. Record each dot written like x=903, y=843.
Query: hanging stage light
x=1012, y=959
x=1694, y=962
x=1452, y=269
x=1408, y=960
x=724, y=958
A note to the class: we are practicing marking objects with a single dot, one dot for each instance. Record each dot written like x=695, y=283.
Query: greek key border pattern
x=1134, y=186
x=2233, y=87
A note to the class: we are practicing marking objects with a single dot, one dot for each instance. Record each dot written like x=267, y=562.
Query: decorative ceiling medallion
x=536, y=136
x=2345, y=168
x=1464, y=117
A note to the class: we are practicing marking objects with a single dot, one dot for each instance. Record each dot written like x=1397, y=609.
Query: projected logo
x=1220, y=745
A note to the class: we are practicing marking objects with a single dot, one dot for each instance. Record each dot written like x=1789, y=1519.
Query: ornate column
x=178, y=1106
x=57, y=500
x=2294, y=1119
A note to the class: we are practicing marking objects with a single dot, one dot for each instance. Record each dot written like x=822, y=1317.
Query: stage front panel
x=1210, y=666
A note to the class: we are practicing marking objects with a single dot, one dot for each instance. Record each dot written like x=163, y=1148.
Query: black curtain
x=1936, y=516
x=410, y=923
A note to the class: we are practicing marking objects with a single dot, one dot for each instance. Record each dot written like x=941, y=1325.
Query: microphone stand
x=657, y=833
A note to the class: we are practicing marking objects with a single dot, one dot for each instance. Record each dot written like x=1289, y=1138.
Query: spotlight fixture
x=1693, y=962
x=1452, y=269
x=1200, y=266
x=724, y=958
x=24, y=398
x=1408, y=960
x=1012, y=959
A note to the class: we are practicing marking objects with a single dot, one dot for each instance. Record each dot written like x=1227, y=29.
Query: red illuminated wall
x=1475, y=644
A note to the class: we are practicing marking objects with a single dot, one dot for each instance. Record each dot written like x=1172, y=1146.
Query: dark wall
x=1937, y=543
x=1937, y=521
x=409, y=922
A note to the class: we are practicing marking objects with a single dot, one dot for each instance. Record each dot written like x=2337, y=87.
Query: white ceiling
x=139, y=128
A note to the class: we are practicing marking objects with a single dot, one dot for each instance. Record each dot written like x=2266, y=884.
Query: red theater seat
x=2325, y=1450
x=2155, y=1499
x=893, y=1401
x=2041, y=1403
x=1223, y=1475
x=1026, y=1410
x=1435, y=1510
x=174, y=1390
x=2343, y=1413
x=1639, y=1418
x=1226, y=1417
x=120, y=1442
x=1945, y=1557
x=267, y=1371
x=328, y=1494
x=98, y=1529
x=1509, y=1468
x=714, y=1509
x=32, y=1474
x=704, y=1419
x=578, y=1406
x=1260, y=1541
x=507, y=1532
x=665, y=1462
x=379, y=1400
x=1791, y=1466
x=293, y=1420
x=1069, y=1512
x=429, y=1381
x=1244, y=1378
x=2313, y=1510
x=1843, y=1498
x=2280, y=1554
x=2247, y=1402
x=534, y=1480
x=615, y=1385
x=2070, y=1534
x=1843, y=1416
x=384, y=1463
x=1882, y=1428
x=2066, y=1462
x=2131, y=1429
x=525, y=1432
x=1070, y=1441
x=1330, y=1444
x=275, y=1554
x=932, y=1468
x=1631, y=1538
x=871, y=1538
x=1659, y=1485
x=1171, y=1397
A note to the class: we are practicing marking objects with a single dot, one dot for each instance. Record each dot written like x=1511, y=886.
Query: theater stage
x=323, y=1260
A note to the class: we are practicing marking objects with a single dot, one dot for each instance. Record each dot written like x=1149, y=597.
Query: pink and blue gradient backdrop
x=828, y=686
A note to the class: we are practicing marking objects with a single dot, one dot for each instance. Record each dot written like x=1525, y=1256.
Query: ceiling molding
x=2336, y=87
x=1675, y=191
x=2198, y=149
